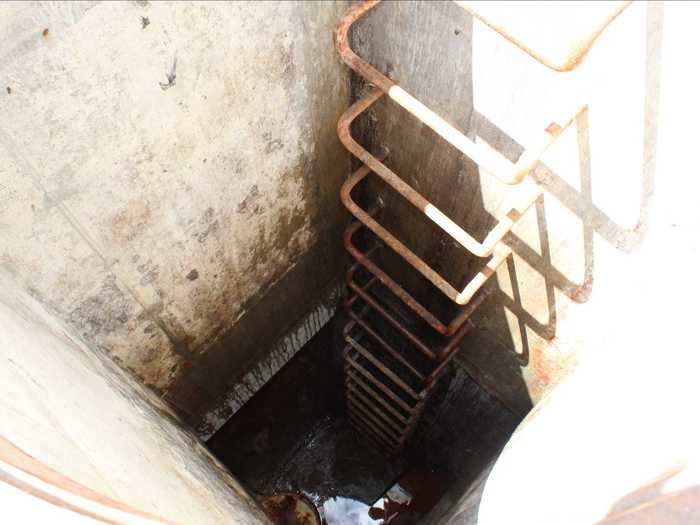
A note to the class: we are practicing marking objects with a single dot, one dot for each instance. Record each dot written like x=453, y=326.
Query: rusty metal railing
x=391, y=366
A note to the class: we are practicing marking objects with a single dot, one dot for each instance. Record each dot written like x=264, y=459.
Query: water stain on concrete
x=103, y=312
x=251, y=202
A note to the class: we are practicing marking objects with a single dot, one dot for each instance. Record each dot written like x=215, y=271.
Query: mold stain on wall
x=160, y=166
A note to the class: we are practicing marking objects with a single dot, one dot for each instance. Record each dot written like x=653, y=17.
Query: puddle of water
x=416, y=492
x=346, y=511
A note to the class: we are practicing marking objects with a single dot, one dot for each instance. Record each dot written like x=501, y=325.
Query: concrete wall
x=604, y=447
x=75, y=411
x=599, y=178
x=616, y=440
x=169, y=172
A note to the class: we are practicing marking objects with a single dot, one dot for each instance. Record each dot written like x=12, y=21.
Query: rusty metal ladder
x=390, y=369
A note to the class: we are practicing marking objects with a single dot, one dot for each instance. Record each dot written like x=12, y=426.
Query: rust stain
x=582, y=293
x=131, y=221
x=550, y=365
x=539, y=365
x=290, y=509
x=651, y=503
x=554, y=129
x=67, y=492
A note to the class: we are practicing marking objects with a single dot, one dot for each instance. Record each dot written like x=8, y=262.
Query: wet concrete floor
x=293, y=436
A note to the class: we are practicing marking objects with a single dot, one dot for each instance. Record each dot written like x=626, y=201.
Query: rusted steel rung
x=482, y=154
x=420, y=345
x=435, y=354
x=375, y=406
x=501, y=251
x=368, y=429
x=364, y=258
x=381, y=386
x=558, y=62
x=354, y=392
x=366, y=403
x=382, y=368
x=367, y=418
x=357, y=320
x=375, y=413
x=380, y=401
x=356, y=381
x=371, y=436
x=368, y=414
x=376, y=419
x=403, y=416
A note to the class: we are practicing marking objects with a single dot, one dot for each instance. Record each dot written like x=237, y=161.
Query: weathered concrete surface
x=163, y=167
x=461, y=435
x=280, y=442
x=74, y=410
x=240, y=389
x=617, y=440
x=304, y=443
x=599, y=178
